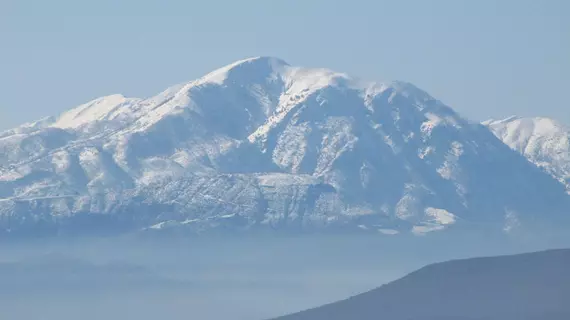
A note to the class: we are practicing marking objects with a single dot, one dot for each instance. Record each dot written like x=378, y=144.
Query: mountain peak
x=263, y=59
x=249, y=68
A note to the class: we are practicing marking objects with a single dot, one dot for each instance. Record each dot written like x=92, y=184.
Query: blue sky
x=484, y=58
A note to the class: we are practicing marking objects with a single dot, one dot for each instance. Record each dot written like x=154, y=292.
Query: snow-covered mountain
x=260, y=144
x=544, y=141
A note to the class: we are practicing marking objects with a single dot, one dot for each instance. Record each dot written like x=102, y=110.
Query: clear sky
x=485, y=58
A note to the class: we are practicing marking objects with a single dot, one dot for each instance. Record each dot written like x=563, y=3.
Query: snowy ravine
x=545, y=142
x=260, y=144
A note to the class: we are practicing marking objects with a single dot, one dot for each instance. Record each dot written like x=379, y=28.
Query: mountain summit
x=262, y=144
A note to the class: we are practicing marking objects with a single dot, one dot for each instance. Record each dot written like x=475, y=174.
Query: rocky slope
x=260, y=144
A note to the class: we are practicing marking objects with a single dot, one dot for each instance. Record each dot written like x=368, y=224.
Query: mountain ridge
x=521, y=286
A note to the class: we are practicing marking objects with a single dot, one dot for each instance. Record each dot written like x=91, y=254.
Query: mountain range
x=262, y=145
x=532, y=286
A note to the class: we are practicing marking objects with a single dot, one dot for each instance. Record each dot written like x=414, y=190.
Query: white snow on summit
x=274, y=66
